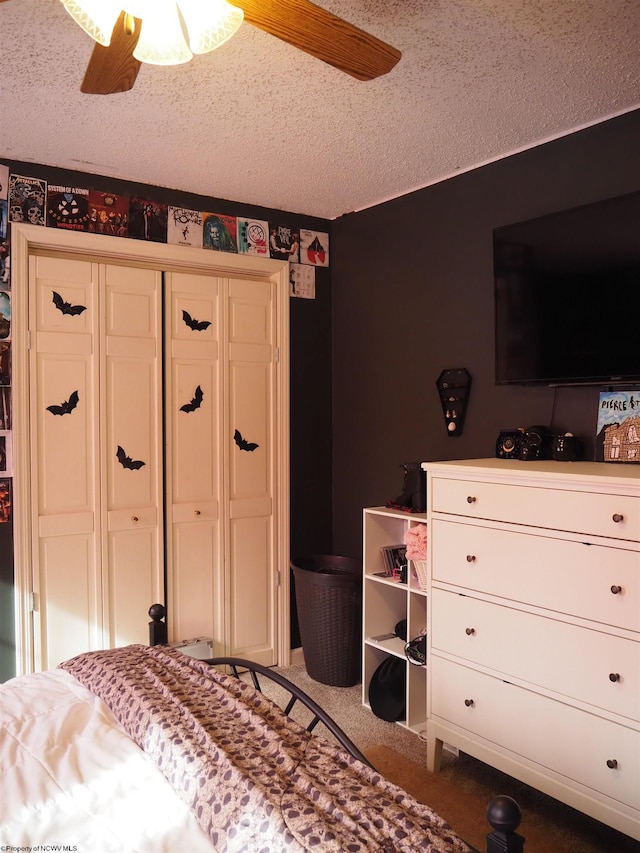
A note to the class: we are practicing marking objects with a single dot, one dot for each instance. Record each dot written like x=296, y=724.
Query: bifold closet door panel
x=65, y=482
x=193, y=467
x=251, y=564
x=132, y=448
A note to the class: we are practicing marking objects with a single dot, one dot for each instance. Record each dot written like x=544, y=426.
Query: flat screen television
x=567, y=296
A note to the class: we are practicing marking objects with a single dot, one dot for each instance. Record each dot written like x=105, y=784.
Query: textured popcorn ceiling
x=260, y=122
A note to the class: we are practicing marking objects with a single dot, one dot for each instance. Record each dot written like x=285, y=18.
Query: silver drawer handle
x=617, y=517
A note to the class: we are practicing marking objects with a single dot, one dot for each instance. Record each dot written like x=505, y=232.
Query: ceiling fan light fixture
x=209, y=24
x=161, y=39
x=96, y=17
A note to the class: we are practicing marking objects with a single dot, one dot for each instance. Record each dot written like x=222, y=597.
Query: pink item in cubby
x=415, y=539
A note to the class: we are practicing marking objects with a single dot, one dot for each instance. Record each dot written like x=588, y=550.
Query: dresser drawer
x=596, y=582
x=571, y=742
x=615, y=516
x=588, y=666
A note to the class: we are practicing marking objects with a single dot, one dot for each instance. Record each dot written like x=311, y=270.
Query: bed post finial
x=157, y=628
x=504, y=815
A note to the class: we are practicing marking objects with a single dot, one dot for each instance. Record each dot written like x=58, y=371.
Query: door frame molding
x=29, y=240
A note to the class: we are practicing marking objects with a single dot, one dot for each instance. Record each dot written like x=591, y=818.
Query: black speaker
x=536, y=443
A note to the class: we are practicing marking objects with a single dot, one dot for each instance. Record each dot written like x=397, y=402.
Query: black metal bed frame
x=503, y=813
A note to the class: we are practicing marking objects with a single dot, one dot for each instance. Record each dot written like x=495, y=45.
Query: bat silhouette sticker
x=127, y=461
x=66, y=307
x=242, y=443
x=196, y=325
x=67, y=407
x=195, y=403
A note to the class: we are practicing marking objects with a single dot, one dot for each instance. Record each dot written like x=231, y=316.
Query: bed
x=144, y=748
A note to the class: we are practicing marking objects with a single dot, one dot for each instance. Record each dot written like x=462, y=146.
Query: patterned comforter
x=254, y=778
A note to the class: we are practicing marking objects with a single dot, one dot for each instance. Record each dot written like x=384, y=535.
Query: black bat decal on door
x=242, y=443
x=195, y=403
x=127, y=461
x=196, y=325
x=67, y=407
x=66, y=307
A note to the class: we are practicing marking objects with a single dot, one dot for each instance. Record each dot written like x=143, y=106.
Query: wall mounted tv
x=567, y=296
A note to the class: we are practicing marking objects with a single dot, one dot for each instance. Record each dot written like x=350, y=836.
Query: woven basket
x=421, y=571
x=329, y=603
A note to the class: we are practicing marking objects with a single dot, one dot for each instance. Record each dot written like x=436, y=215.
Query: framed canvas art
x=618, y=428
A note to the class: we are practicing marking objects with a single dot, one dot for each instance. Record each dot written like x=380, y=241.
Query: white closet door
x=65, y=482
x=251, y=571
x=194, y=471
x=133, y=547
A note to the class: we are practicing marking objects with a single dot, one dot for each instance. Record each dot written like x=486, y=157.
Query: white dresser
x=534, y=626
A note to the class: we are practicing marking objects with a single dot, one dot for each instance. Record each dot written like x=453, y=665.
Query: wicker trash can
x=329, y=603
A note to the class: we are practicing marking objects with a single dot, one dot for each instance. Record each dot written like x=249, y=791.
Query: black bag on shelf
x=388, y=690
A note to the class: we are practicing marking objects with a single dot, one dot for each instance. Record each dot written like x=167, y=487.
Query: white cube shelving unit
x=386, y=602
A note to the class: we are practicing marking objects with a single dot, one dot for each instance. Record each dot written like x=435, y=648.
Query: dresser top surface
x=596, y=472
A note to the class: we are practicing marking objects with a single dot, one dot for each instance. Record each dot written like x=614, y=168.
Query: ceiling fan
x=301, y=23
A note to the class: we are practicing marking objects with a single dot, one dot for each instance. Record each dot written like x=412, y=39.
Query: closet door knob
x=471, y=499
x=616, y=589
x=612, y=763
x=471, y=558
x=617, y=517
x=614, y=676
x=469, y=631
x=135, y=519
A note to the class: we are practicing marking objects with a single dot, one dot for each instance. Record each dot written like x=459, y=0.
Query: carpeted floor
x=463, y=788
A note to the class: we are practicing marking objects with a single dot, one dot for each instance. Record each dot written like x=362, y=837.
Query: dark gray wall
x=412, y=294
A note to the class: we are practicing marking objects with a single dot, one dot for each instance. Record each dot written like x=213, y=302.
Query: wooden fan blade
x=323, y=35
x=114, y=69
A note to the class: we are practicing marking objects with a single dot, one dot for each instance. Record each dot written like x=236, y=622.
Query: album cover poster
x=68, y=207
x=108, y=214
x=5, y=363
x=6, y=419
x=618, y=427
x=6, y=501
x=302, y=281
x=27, y=199
x=284, y=243
x=314, y=248
x=6, y=453
x=147, y=220
x=4, y=190
x=5, y=315
x=219, y=232
x=253, y=237
x=184, y=227
x=5, y=265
